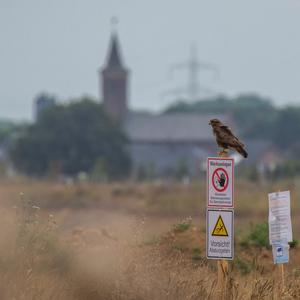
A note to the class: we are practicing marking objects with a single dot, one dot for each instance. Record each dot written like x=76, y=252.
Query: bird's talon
x=223, y=153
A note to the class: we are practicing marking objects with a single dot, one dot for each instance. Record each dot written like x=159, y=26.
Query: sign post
x=280, y=229
x=220, y=216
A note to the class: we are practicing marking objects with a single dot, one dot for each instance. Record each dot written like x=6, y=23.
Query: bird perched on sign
x=226, y=139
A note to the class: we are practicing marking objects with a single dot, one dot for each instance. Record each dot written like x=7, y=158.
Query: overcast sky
x=57, y=46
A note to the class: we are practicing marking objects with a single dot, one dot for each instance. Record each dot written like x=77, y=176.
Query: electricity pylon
x=193, y=88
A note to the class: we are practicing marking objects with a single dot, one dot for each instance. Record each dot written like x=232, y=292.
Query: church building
x=114, y=82
x=173, y=144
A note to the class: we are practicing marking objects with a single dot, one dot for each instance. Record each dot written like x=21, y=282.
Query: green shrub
x=243, y=265
x=293, y=243
x=197, y=254
x=180, y=247
x=183, y=225
x=258, y=236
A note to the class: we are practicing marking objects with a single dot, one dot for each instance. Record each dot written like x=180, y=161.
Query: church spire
x=113, y=80
x=114, y=57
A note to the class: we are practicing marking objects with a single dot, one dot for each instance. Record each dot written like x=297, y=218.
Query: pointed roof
x=114, y=57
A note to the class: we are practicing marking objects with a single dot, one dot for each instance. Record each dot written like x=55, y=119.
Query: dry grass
x=110, y=242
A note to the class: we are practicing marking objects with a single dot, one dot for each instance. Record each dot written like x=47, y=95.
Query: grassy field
x=135, y=241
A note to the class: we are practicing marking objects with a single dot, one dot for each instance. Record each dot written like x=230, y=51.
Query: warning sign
x=220, y=234
x=220, y=173
x=220, y=180
x=220, y=229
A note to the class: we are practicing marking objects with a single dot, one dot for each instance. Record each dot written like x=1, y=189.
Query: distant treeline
x=68, y=139
x=71, y=139
x=6, y=129
x=255, y=117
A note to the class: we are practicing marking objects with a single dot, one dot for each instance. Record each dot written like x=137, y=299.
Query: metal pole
x=223, y=267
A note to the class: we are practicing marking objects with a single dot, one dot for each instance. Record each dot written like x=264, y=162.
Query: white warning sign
x=280, y=226
x=219, y=234
x=220, y=177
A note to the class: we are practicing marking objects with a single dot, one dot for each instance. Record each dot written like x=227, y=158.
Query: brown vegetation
x=117, y=241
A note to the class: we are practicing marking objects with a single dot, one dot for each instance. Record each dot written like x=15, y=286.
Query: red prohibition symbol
x=220, y=179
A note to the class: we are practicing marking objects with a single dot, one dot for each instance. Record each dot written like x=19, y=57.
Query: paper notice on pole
x=280, y=227
x=280, y=253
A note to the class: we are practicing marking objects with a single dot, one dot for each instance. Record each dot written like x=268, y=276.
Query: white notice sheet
x=280, y=227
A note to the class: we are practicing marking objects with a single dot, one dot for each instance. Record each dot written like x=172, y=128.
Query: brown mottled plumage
x=226, y=139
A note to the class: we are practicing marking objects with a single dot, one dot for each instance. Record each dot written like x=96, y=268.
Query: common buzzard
x=226, y=139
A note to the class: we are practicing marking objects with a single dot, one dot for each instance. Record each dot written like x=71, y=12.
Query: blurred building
x=264, y=156
x=161, y=144
x=42, y=103
x=114, y=82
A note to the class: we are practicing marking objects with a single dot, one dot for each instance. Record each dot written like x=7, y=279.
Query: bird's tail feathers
x=242, y=151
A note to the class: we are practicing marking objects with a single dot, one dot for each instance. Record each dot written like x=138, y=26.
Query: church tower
x=114, y=82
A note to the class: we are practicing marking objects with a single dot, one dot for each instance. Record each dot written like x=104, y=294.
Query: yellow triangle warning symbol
x=220, y=229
